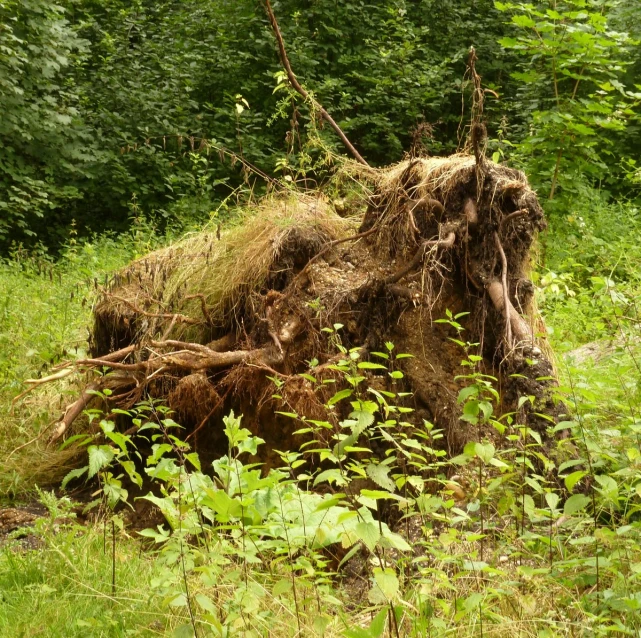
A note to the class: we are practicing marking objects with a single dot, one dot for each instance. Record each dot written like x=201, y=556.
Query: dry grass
x=208, y=277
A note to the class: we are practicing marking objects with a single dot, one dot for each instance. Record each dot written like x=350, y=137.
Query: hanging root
x=516, y=326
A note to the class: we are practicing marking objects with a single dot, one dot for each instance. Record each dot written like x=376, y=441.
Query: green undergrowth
x=62, y=587
x=589, y=282
x=511, y=538
x=45, y=312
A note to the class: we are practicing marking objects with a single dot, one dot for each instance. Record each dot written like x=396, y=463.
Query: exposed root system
x=205, y=323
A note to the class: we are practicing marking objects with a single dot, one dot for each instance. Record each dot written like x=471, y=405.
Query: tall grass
x=45, y=310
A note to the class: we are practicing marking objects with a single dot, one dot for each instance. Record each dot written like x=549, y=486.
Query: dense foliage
x=113, y=108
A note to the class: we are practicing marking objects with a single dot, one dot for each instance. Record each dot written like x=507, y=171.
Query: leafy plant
x=572, y=88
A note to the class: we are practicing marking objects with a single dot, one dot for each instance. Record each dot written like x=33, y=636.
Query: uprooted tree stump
x=205, y=323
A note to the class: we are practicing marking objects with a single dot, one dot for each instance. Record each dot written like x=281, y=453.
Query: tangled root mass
x=204, y=323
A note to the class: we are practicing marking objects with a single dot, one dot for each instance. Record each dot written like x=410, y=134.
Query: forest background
x=114, y=107
x=127, y=123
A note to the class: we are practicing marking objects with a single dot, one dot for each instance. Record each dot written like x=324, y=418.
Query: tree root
x=447, y=242
x=506, y=295
x=519, y=328
x=191, y=357
x=74, y=410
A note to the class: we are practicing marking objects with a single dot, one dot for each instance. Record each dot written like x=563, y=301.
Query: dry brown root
x=193, y=358
x=506, y=293
x=518, y=327
x=74, y=410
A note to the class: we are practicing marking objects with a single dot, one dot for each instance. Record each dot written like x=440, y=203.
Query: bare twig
x=35, y=438
x=35, y=383
x=156, y=315
x=191, y=357
x=299, y=89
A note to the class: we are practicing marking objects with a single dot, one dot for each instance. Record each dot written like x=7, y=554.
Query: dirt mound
x=205, y=323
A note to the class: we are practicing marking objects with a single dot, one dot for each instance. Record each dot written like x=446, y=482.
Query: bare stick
x=191, y=358
x=448, y=242
x=506, y=296
x=52, y=377
x=299, y=89
x=28, y=443
x=65, y=369
x=35, y=383
x=183, y=345
x=74, y=411
x=117, y=355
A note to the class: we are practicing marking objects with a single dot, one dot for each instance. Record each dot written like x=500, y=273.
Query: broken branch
x=299, y=89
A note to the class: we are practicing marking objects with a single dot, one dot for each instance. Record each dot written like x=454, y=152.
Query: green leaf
x=350, y=554
x=375, y=630
x=387, y=581
x=380, y=475
x=74, y=474
x=282, y=586
x=363, y=420
x=339, y=396
x=608, y=487
x=185, y=630
x=523, y=21
x=471, y=411
x=575, y=503
x=369, y=533
x=509, y=43
x=205, y=603
x=194, y=459
x=368, y=365
x=395, y=541
x=552, y=499
x=330, y=476
x=99, y=458
x=466, y=393
x=484, y=451
x=572, y=479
